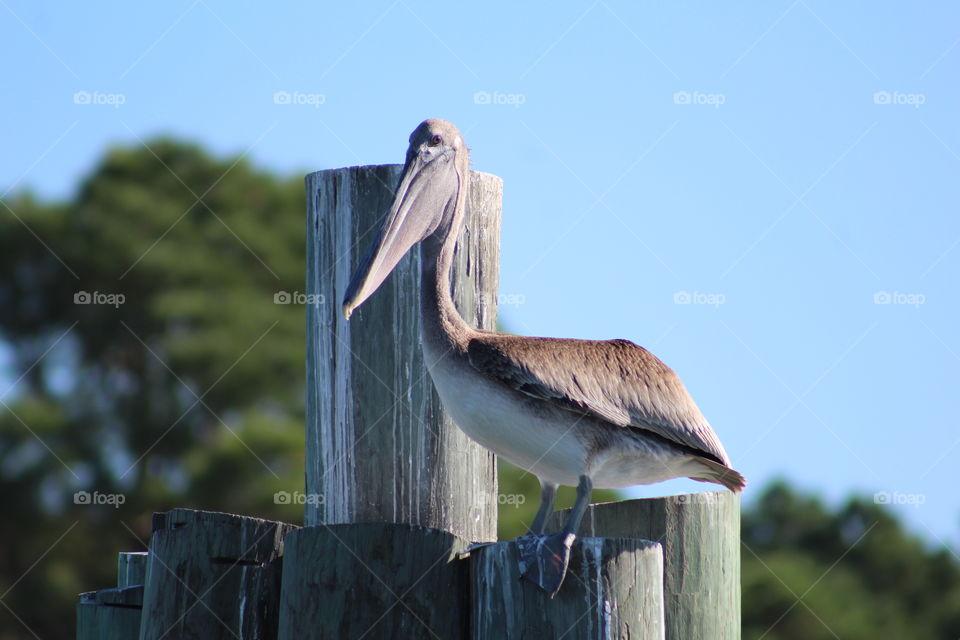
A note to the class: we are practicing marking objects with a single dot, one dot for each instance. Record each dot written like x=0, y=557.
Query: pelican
x=585, y=413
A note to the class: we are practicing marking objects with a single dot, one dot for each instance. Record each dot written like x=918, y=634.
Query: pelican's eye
x=435, y=140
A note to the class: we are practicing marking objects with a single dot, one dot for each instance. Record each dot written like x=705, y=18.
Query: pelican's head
x=426, y=200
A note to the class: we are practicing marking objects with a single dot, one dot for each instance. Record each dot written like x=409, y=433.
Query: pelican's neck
x=442, y=327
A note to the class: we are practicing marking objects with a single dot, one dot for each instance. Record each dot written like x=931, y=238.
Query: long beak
x=425, y=189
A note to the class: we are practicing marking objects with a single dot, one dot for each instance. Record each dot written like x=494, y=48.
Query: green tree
x=154, y=362
x=850, y=572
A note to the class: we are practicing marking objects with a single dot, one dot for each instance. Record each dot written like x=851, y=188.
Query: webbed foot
x=544, y=559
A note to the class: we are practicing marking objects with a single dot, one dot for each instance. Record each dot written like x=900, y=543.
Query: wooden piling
x=115, y=612
x=109, y=614
x=376, y=580
x=380, y=447
x=212, y=575
x=700, y=534
x=613, y=589
x=131, y=568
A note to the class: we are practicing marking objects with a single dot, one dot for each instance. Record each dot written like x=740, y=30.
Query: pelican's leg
x=544, y=559
x=584, y=489
x=548, y=497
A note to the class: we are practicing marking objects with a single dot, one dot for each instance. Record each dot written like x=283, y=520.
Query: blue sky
x=787, y=168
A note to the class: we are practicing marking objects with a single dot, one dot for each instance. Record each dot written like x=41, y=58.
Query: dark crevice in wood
x=237, y=561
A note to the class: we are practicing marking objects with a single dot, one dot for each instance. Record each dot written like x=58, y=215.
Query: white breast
x=501, y=421
x=549, y=444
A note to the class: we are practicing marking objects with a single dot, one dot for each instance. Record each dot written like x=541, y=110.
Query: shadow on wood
x=376, y=580
x=212, y=575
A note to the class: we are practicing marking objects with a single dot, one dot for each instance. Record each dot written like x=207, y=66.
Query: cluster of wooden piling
x=643, y=569
x=398, y=494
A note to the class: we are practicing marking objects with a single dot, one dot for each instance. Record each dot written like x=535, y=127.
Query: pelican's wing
x=615, y=380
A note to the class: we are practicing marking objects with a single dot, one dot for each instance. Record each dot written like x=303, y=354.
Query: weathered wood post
x=380, y=448
x=375, y=580
x=700, y=534
x=212, y=575
x=394, y=489
x=131, y=568
x=613, y=589
x=115, y=613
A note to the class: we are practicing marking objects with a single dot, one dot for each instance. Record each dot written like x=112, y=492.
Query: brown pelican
x=574, y=412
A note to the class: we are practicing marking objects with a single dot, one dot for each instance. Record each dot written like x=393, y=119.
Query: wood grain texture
x=212, y=575
x=375, y=580
x=613, y=589
x=114, y=613
x=131, y=568
x=380, y=448
x=700, y=534
x=110, y=614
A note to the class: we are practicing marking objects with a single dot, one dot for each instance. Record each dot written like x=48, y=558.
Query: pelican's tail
x=711, y=471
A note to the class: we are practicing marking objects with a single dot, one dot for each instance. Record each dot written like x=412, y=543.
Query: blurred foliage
x=190, y=393
x=810, y=571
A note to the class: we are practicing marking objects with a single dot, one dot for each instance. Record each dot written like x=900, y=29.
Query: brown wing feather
x=615, y=380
